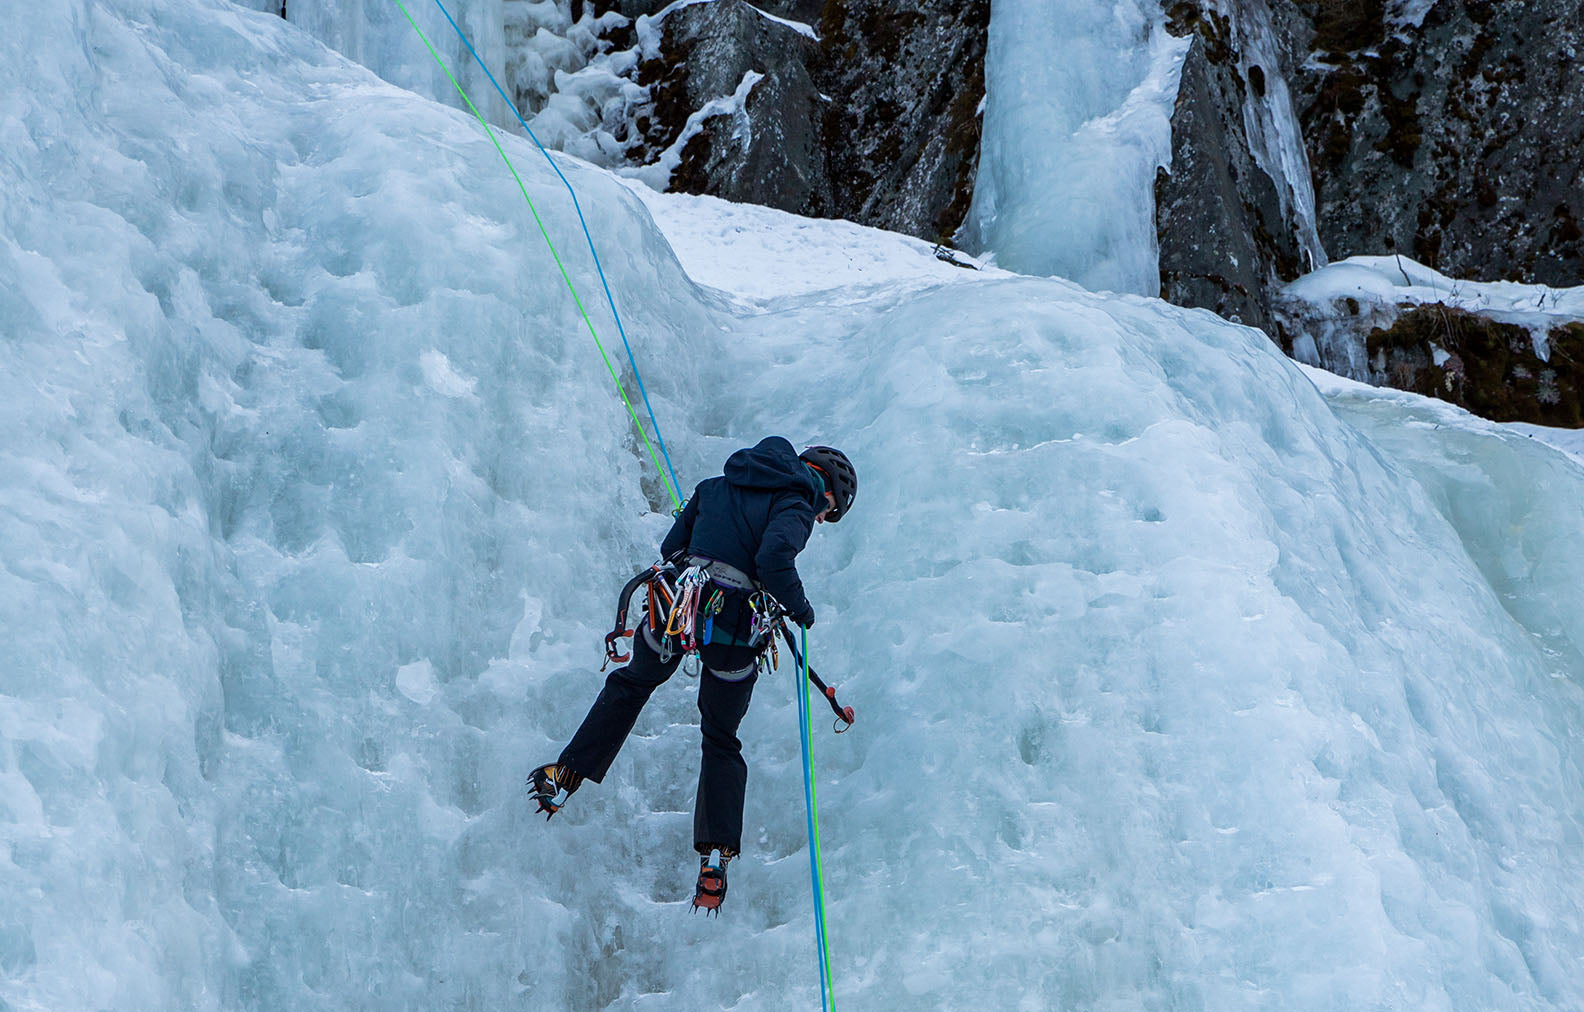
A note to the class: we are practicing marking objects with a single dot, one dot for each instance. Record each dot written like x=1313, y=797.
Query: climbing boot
x=711, y=889
x=551, y=785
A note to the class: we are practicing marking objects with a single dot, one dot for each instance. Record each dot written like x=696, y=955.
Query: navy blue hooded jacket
x=757, y=516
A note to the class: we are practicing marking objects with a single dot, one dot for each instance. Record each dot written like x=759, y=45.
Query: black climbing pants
x=723, y=775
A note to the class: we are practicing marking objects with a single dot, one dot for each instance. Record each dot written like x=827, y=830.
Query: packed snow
x=1181, y=680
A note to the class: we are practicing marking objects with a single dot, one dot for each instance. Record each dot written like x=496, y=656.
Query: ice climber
x=729, y=575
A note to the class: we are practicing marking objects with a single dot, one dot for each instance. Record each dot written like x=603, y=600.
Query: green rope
x=556, y=256
x=816, y=861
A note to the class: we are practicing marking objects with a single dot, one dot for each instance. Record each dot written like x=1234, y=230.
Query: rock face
x=904, y=129
x=1230, y=226
x=1491, y=368
x=856, y=110
x=768, y=149
x=1447, y=129
x=1304, y=130
x=1456, y=140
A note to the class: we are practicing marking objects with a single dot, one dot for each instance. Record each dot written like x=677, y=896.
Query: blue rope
x=806, y=736
x=576, y=206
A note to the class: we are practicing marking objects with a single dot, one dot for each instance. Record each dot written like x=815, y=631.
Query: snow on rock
x=1329, y=314
x=657, y=174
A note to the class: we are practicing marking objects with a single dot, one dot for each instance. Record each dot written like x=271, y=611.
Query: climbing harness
x=692, y=602
x=658, y=578
x=672, y=611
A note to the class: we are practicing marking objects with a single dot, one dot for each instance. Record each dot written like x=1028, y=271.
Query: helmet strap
x=819, y=476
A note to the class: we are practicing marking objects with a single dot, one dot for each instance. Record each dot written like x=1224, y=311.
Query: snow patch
x=797, y=26
x=761, y=256
x=657, y=174
x=1335, y=306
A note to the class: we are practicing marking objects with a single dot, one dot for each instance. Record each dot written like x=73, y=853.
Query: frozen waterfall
x=1182, y=681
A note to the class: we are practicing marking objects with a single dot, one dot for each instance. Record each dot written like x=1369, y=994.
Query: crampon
x=711, y=888
x=552, y=785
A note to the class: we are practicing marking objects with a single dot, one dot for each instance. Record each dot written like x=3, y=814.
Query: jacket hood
x=771, y=464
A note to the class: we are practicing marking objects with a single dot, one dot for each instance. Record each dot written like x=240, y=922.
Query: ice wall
x=292, y=410
x=1176, y=688
x=377, y=34
x=1077, y=118
x=576, y=94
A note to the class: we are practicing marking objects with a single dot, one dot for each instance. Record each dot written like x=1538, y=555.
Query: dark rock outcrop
x=876, y=120
x=773, y=151
x=1447, y=130
x=1227, y=239
x=905, y=133
x=1456, y=142
x=1488, y=367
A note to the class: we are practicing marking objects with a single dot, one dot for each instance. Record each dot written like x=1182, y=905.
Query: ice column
x=1077, y=118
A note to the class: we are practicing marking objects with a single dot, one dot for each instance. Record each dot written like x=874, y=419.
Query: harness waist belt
x=726, y=575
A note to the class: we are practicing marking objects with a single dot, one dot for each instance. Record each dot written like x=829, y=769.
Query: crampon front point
x=551, y=786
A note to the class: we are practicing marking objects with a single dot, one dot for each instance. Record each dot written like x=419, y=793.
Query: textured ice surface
x=1179, y=684
x=1077, y=119
x=378, y=35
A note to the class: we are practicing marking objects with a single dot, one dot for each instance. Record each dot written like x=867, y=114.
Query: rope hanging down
x=587, y=237
x=827, y=991
x=811, y=799
x=674, y=489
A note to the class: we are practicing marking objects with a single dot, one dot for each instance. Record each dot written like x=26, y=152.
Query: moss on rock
x=1490, y=368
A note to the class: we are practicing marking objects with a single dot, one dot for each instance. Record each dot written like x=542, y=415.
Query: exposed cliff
x=1235, y=211
x=1454, y=139
x=848, y=110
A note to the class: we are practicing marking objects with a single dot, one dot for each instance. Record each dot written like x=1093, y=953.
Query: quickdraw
x=683, y=620
x=712, y=608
